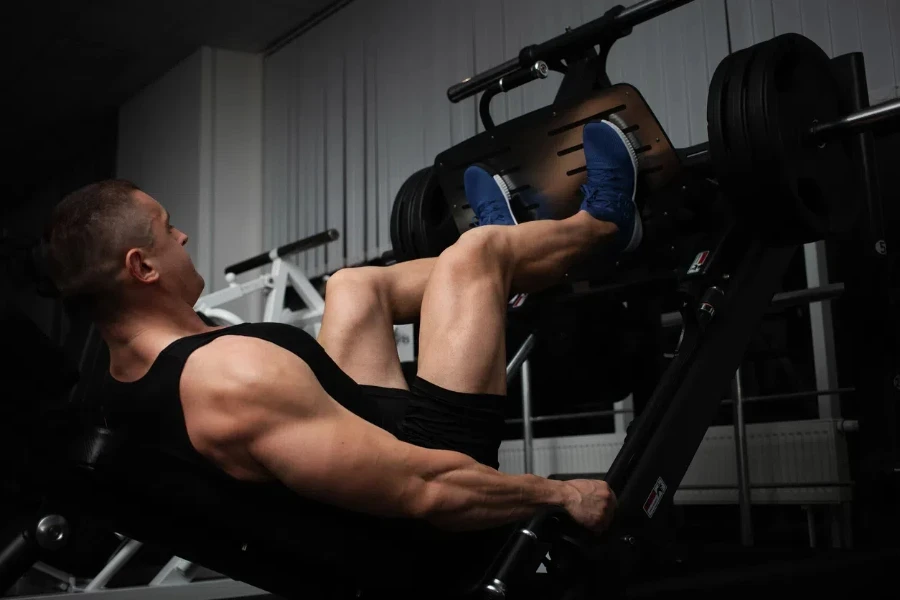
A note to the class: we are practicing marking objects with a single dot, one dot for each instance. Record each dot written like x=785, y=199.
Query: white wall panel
x=193, y=140
x=159, y=146
x=369, y=90
x=838, y=26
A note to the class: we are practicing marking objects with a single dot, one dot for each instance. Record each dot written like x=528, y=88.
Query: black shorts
x=432, y=417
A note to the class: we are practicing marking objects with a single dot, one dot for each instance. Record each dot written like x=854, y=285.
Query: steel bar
x=516, y=363
x=794, y=395
x=779, y=301
x=527, y=422
x=883, y=113
x=629, y=17
x=743, y=469
x=571, y=416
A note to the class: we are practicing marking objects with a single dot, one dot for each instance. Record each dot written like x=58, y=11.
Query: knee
x=478, y=252
x=356, y=293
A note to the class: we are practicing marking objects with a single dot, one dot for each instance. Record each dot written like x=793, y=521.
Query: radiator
x=805, y=462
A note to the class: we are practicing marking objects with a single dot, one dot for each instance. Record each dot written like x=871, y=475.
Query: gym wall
x=193, y=141
x=358, y=103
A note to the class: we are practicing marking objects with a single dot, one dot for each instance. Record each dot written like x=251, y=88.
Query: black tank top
x=382, y=551
x=150, y=408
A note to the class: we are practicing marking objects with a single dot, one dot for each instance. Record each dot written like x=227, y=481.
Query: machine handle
x=313, y=241
x=587, y=33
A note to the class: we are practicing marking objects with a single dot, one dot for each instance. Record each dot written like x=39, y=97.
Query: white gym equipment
x=282, y=280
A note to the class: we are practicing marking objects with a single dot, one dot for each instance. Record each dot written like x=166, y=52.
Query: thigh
x=462, y=335
x=358, y=334
x=442, y=419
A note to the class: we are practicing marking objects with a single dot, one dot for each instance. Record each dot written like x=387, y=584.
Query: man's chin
x=201, y=285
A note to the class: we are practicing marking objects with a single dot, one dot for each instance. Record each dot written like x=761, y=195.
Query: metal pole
x=629, y=17
x=527, y=433
x=115, y=565
x=743, y=472
x=646, y=10
x=793, y=395
x=524, y=350
x=574, y=416
x=779, y=301
x=858, y=121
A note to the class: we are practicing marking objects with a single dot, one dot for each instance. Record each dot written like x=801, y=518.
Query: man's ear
x=140, y=266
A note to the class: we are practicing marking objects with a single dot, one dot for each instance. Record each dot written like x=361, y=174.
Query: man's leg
x=462, y=336
x=462, y=340
x=361, y=306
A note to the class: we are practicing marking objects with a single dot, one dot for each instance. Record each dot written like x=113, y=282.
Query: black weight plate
x=401, y=233
x=718, y=114
x=741, y=173
x=755, y=112
x=396, y=212
x=412, y=225
x=803, y=91
x=715, y=109
x=436, y=227
x=418, y=229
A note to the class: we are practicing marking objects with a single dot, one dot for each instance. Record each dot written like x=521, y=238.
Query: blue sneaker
x=611, y=181
x=489, y=197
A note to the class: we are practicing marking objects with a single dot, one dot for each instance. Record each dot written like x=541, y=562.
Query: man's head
x=110, y=247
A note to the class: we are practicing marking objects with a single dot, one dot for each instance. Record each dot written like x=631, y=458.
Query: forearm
x=473, y=496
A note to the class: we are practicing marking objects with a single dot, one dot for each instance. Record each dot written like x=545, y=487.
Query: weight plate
x=715, y=107
x=740, y=157
x=721, y=109
x=436, y=228
x=816, y=180
x=396, y=211
x=401, y=233
x=417, y=227
x=411, y=228
x=755, y=115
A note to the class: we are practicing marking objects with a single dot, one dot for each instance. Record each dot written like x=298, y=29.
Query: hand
x=592, y=504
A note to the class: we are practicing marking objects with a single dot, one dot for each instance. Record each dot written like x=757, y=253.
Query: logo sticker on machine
x=698, y=262
x=655, y=497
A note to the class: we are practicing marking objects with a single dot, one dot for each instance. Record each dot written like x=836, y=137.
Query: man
x=336, y=420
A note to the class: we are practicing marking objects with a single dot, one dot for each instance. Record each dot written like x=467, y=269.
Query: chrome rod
x=527, y=433
x=794, y=395
x=571, y=416
x=743, y=470
x=857, y=121
x=646, y=10
x=516, y=363
x=629, y=17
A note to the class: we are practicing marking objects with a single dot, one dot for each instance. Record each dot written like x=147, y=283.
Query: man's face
x=177, y=274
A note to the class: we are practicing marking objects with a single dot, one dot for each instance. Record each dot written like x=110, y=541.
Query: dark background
x=71, y=64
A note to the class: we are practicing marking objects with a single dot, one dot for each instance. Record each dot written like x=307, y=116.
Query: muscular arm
x=266, y=408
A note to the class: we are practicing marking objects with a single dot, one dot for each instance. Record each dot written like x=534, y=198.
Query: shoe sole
x=504, y=189
x=637, y=233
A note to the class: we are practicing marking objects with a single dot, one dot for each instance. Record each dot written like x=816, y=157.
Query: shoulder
x=242, y=359
x=238, y=386
x=243, y=379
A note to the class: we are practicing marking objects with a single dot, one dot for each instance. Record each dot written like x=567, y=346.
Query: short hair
x=86, y=239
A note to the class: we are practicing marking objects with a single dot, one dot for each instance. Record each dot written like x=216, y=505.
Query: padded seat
x=265, y=534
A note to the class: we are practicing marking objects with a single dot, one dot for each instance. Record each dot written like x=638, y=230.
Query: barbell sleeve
x=313, y=241
x=880, y=114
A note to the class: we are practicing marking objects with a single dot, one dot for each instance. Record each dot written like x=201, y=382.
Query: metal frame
x=275, y=285
x=201, y=590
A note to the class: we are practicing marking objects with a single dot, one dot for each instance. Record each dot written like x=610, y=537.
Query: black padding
x=265, y=534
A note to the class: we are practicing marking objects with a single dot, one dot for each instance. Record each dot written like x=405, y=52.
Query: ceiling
x=71, y=60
